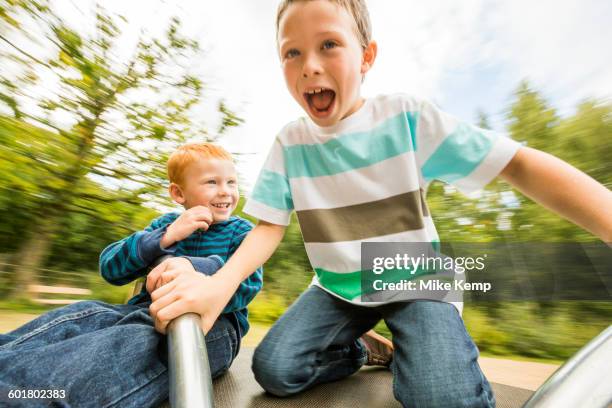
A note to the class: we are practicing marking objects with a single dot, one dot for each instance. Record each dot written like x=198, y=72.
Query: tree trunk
x=31, y=255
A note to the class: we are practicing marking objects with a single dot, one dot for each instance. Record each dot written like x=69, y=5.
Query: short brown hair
x=190, y=153
x=357, y=8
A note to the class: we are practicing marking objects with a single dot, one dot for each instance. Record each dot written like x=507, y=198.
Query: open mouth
x=320, y=101
x=223, y=206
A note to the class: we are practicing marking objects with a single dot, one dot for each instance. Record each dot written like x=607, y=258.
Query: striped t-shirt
x=364, y=179
x=123, y=261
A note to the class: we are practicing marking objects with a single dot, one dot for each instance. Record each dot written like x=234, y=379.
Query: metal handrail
x=583, y=381
x=189, y=369
x=190, y=378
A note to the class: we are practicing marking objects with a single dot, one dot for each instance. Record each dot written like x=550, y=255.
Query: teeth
x=316, y=91
x=225, y=205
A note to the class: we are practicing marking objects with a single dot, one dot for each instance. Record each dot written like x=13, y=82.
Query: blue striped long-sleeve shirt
x=128, y=259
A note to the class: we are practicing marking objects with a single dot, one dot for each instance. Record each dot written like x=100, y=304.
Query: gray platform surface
x=370, y=387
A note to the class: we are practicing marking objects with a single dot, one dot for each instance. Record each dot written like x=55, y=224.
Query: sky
x=465, y=56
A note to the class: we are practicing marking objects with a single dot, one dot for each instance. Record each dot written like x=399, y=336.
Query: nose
x=312, y=66
x=223, y=189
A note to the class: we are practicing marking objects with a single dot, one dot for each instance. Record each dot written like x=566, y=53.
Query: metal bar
x=583, y=381
x=190, y=379
x=189, y=369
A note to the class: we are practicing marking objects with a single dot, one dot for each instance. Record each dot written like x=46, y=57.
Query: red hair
x=191, y=153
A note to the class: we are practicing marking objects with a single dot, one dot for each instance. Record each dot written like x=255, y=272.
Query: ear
x=176, y=193
x=369, y=56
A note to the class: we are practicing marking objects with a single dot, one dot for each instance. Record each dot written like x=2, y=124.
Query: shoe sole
x=379, y=346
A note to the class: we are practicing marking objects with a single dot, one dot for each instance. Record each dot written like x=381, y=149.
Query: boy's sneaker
x=378, y=348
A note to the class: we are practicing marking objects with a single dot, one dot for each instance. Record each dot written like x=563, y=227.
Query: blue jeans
x=101, y=355
x=316, y=341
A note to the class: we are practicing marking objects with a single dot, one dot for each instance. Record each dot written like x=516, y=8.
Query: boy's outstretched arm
x=208, y=295
x=563, y=189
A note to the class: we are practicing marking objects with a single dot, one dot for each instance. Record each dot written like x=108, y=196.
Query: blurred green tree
x=583, y=140
x=84, y=113
x=501, y=213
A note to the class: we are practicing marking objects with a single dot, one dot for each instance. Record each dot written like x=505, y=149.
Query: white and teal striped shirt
x=365, y=178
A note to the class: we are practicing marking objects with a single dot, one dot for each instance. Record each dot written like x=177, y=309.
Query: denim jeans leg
x=95, y=352
x=315, y=341
x=435, y=362
x=56, y=316
x=222, y=344
x=100, y=355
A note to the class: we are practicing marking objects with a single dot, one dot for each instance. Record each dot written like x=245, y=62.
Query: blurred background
x=94, y=96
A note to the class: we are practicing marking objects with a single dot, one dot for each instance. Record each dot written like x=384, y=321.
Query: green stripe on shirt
x=353, y=150
x=272, y=189
x=353, y=284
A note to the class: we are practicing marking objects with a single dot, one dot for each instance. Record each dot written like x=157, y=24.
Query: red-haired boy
x=97, y=354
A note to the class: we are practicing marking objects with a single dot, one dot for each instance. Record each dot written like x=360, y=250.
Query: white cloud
x=420, y=41
x=563, y=46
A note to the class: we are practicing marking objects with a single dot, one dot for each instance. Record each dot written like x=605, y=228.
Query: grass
x=11, y=319
x=515, y=357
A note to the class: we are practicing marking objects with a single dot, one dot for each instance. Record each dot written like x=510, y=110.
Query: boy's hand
x=167, y=271
x=198, y=217
x=190, y=292
x=208, y=295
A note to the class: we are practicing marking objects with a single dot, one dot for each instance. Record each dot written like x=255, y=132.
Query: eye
x=211, y=181
x=292, y=53
x=232, y=182
x=328, y=45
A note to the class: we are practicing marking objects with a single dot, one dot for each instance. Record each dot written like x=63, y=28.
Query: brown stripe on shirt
x=403, y=212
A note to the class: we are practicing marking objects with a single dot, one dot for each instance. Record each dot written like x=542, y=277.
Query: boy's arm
x=208, y=295
x=246, y=291
x=128, y=259
x=123, y=261
x=563, y=189
x=249, y=287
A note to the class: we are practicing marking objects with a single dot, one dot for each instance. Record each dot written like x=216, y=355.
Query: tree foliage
x=87, y=125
